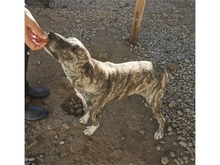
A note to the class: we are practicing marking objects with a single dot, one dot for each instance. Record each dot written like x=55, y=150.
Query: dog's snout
x=51, y=35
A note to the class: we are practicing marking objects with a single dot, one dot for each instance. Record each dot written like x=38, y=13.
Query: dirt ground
x=125, y=136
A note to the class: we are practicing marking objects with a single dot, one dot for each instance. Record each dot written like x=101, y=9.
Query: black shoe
x=34, y=113
x=37, y=92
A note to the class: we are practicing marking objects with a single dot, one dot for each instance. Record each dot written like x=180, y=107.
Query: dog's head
x=69, y=52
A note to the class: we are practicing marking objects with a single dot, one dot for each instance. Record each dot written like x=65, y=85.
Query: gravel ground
x=167, y=36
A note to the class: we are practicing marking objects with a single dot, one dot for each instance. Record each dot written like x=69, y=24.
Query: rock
x=172, y=66
x=54, y=123
x=177, y=161
x=78, y=21
x=104, y=55
x=79, y=112
x=190, y=144
x=170, y=22
x=164, y=15
x=142, y=132
x=169, y=129
x=31, y=159
x=187, y=61
x=182, y=143
x=116, y=154
x=192, y=37
x=172, y=104
x=66, y=125
x=172, y=154
x=180, y=160
x=190, y=150
x=164, y=160
x=179, y=113
x=62, y=142
x=158, y=147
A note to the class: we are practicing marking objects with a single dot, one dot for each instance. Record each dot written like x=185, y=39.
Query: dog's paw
x=90, y=130
x=158, y=135
x=84, y=119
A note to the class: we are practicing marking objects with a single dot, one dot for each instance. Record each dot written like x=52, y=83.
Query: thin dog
x=97, y=83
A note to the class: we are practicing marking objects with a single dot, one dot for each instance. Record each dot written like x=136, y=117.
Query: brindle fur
x=97, y=82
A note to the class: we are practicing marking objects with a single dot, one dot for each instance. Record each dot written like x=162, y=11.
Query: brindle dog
x=97, y=82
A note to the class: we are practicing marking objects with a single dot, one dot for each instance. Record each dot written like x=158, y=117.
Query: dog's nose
x=51, y=35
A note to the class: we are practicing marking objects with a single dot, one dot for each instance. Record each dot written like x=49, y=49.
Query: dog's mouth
x=51, y=44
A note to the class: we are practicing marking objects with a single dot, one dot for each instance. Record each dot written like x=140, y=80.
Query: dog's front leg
x=96, y=115
x=86, y=103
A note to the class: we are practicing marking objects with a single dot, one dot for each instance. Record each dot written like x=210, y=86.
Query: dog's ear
x=88, y=69
x=75, y=48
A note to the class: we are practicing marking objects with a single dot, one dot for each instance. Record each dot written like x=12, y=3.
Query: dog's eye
x=75, y=48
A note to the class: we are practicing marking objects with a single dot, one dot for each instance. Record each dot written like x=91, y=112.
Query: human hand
x=35, y=37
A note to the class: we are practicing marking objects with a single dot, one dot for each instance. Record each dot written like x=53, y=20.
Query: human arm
x=35, y=37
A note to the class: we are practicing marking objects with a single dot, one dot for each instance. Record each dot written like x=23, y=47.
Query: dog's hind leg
x=155, y=105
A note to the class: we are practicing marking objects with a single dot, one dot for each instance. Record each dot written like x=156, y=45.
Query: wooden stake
x=136, y=24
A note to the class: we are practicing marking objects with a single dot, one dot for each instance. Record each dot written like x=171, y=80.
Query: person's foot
x=33, y=113
x=37, y=92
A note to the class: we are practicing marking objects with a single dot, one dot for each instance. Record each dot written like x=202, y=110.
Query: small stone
x=158, y=147
x=116, y=154
x=66, y=125
x=187, y=61
x=78, y=21
x=56, y=136
x=169, y=129
x=177, y=162
x=165, y=15
x=38, y=62
x=161, y=142
x=79, y=112
x=54, y=123
x=175, y=143
x=31, y=159
x=182, y=143
x=190, y=150
x=174, y=125
x=62, y=142
x=170, y=22
x=190, y=144
x=39, y=82
x=171, y=133
x=179, y=113
x=192, y=37
x=172, y=154
x=172, y=66
x=180, y=160
x=172, y=104
x=192, y=158
x=142, y=132
x=164, y=160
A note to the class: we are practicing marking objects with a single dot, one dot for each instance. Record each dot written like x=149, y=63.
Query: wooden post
x=136, y=24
